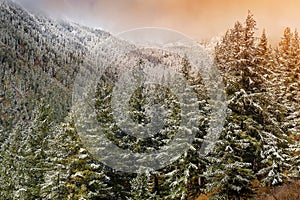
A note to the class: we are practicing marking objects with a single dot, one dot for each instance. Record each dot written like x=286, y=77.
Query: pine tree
x=178, y=178
x=274, y=159
x=25, y=156
x=228, y=175
x=255, y=134
x=141, y=186
x=295, y=50
x=294, y=148
x=12, y=171
x=288, y=74
x=284, y=50
x=264, y=59
x=228, y=49
x=84, y=177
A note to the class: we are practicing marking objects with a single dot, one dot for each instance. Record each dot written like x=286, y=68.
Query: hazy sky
x=200, y=19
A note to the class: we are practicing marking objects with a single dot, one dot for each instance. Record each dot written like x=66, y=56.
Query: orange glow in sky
x=200, y=19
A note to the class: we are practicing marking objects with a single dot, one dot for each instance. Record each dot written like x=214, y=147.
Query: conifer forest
x=43, y=156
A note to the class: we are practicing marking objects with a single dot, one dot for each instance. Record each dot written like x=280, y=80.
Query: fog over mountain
x=199, y=19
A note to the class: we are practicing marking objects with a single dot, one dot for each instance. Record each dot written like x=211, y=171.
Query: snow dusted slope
x=39, y=59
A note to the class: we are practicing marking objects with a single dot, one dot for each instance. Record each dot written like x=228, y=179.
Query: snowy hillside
x=40, y=57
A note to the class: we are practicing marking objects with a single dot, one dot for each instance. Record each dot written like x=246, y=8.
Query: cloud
x=199, y=19
x=31, y=3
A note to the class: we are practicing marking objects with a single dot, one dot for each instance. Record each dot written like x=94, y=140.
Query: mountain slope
x=39, y=59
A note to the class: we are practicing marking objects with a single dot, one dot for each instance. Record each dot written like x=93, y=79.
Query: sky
x=199, y=19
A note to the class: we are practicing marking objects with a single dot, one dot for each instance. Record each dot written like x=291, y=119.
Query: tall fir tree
x=26, y=156
x=253, y=133
x=288, y=74
x=142, y=186
x=82, y=176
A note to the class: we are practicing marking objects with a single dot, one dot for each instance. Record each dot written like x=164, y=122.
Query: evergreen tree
x=182, y=179
x=141, y=187
x=83, y=177
x=288, y=76
x=178, y=178
x=274, y=159
x=255, y=135
x=13, y=172
x=228, y=174
x=264, y=59
x=285, y=50
x=294, y=147
x=25, y=156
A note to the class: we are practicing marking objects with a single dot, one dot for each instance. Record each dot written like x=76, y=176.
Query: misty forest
x=42, y=156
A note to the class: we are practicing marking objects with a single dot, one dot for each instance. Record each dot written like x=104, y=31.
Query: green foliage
x=254, y=145
x=25, y=157
x=141, y=187
x=84, y=178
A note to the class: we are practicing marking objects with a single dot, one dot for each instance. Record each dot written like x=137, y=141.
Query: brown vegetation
x=288, y=191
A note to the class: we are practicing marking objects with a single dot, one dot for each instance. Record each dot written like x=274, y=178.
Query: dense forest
x=42, y=155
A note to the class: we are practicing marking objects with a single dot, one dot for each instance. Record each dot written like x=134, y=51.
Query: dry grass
x=289, y=191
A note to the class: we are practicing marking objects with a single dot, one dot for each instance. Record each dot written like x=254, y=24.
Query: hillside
x=40, y=58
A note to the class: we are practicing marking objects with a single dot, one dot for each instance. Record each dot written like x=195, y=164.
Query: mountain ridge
x=44, y=50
